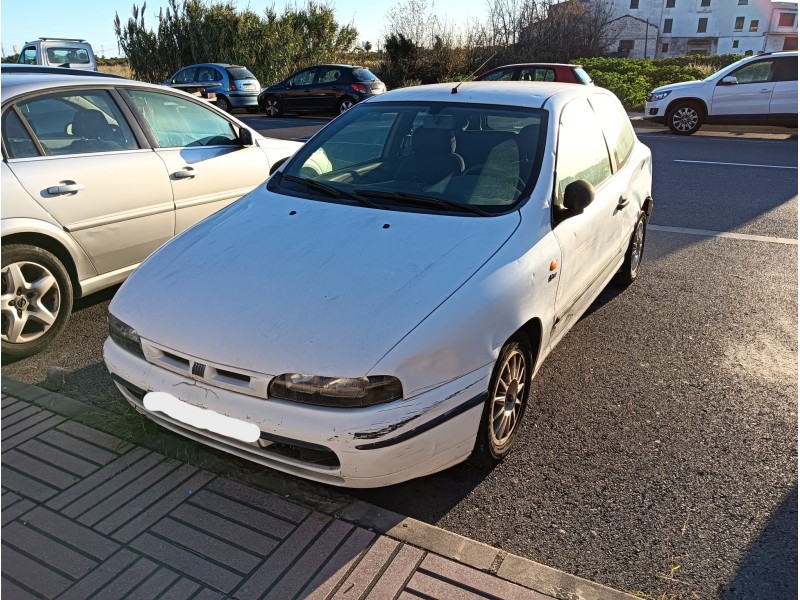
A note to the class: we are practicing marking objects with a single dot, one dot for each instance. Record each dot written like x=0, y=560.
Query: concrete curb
x=509, y=567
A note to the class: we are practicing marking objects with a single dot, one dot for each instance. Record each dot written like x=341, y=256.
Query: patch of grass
x=121, y=69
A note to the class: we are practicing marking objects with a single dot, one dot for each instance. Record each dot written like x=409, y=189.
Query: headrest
x=89, y=124
x=428, y=140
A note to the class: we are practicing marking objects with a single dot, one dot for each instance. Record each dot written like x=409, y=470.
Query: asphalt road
x=659, y=453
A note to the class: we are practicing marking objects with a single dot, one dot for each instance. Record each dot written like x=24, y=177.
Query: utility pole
x=646, y=35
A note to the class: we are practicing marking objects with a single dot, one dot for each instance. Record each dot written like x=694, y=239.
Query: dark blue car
x=320, y=89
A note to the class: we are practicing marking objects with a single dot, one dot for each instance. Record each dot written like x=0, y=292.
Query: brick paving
x=88, y=515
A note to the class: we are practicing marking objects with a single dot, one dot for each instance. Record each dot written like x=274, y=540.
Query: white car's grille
x=223, y=376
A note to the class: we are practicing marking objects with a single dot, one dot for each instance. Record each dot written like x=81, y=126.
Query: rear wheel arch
x=55, y=247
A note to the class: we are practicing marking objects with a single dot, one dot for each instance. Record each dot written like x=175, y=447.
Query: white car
x=378, y=315
x=753, y=91
x=97, y=172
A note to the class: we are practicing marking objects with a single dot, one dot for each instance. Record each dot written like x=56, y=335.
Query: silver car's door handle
x=764, y=91
x=186, y=173
x=65, y=188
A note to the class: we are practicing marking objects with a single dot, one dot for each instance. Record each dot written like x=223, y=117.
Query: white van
x=59, y=52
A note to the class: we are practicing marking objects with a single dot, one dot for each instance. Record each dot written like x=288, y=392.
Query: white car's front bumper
x=352, y=447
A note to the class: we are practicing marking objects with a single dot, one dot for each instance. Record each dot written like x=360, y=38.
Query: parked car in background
x=230, y=86
x=564, y=73
x=59, y=52
x=320, y=89
x=388, y=307
x=756, y=90
x=97, y=173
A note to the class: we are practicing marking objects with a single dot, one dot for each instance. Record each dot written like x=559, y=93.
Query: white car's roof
x=511, y=93
x=14, y=84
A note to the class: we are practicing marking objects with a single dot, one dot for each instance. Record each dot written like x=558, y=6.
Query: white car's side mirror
x=729, y=80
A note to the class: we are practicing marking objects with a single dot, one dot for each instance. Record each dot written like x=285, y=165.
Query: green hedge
x=631, y=79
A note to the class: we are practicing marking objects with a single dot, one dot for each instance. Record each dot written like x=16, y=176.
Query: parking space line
x=708, y=162
x=723, y=234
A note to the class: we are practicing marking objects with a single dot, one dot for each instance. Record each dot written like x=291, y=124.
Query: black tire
x=494, y=442
x=223, y=104
x=24, y=305
x=685, y=118
x=634, y=254
x=346, y=104
x=272, y=106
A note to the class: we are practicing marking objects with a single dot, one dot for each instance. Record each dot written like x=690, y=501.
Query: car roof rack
x=61, y=39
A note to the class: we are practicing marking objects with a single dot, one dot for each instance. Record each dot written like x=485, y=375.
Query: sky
x=93, y=20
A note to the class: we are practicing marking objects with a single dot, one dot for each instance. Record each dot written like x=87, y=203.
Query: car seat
x=432, y=157
x=94, y=132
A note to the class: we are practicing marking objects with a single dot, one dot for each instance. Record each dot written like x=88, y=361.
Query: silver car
x=97, y=173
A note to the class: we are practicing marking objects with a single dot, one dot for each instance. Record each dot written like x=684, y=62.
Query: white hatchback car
x=758, y=90
x=377, y=312
x=98, y=172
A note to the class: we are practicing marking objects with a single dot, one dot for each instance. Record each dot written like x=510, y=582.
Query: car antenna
x=455, y=89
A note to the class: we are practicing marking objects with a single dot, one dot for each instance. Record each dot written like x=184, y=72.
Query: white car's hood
x=682, y=86
x=276, y=284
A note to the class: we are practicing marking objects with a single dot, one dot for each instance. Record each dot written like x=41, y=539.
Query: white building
x=682, y=27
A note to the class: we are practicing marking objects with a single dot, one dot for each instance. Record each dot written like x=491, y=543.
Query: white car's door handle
x=622, y=202
x=186, y=173
x=764, y=91
x=65, y=188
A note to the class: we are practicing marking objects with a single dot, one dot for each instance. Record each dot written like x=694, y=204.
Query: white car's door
x=784, y=95
x=79, y=158
x=588, y=240
x=751, y=93
x=207, y=165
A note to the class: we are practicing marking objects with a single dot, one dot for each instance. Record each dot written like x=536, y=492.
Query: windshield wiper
x=330, y=190
x=421, y=199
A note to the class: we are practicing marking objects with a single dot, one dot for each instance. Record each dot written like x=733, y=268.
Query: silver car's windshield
x=471, y=158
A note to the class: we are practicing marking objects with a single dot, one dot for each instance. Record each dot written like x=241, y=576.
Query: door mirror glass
x=577, y=196
x=729, y=80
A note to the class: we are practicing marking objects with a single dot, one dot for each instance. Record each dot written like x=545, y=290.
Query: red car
x=538, y=72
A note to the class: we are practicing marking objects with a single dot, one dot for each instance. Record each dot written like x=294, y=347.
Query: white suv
x=756, y=90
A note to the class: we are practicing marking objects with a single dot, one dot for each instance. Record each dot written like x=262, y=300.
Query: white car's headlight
x=656, y=96
x=341, y=392
x=124, y=335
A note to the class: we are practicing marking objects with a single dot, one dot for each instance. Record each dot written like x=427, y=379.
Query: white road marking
x=724, y=234
x=708, y=162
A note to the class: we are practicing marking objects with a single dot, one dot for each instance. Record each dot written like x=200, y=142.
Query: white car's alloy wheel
x=508, y=397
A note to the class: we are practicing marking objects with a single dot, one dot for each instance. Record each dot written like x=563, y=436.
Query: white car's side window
x=617, y=127
x=755, y=72
x=78, y=122
x=582, y=151
x=176, y=122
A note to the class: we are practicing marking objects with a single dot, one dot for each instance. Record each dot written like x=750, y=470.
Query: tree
x=272, y=45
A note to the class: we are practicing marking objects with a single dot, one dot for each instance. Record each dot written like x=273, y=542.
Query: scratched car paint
x=379, y=309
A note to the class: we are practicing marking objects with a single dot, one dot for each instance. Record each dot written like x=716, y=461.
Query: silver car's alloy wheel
x=508, y=397
x=272, y=108
x=637, y=246
x=685, y=119
x=345, y=105
x=31, y=300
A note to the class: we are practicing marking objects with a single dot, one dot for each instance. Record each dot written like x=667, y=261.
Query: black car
x=321, y=88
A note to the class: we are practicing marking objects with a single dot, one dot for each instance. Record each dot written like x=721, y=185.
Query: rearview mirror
x=577, y=196
x=729, y=80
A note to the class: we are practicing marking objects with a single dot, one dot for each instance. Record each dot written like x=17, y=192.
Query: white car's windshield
x=469, y=158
